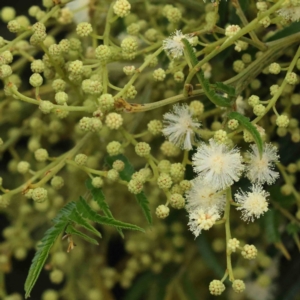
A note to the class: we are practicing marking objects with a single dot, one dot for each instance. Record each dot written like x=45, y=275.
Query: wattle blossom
x=174, y=45
x=179, y=126
x=218, y=165
x=260, y=169
x=253, y=203
x=204, y=196
x=202, y=219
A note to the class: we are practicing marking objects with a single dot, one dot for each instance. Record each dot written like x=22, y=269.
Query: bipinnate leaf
x=126, y=175
x=71, y=230
x=210, y=93
x=245, y=122
x=51, y=235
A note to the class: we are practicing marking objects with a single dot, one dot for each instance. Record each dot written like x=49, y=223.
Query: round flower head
x=203, y=196
x=218, y=165
x=290, y=13
x=202, y=219
x=260, y=169
x=253, y=203
x=178, y=126
x=173, y=44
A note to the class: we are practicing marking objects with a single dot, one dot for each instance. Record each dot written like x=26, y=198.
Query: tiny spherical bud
x=233, y=124
x=177, y=171
x=106, y=102
x=39, y=195
x=177, y=201
x=253, y=100
x=159, y=74
x=291, y=78
x=57, y=182
x=114, y=121
x=259, y=110
x=220, y=136
x=233, y=244
x=231, y=30
x=134, y=29
x=129, y=44
x=216, y=287
x=61, y=98
x=85, y=124
x=274, y=89
x=153, y=62
x=37, y=66
x=249, y=252
x=155, y=127
x=114, y=148
x=262, y=6
x=274, y=68
x=84, y=29
x=7, y=14
x=162, y=211
x=59, y=85
x=246, y=58
x=97, y=182
x=103, y=53
x=118, y=165
x=238, y=286
x=129, y=70
x=282, y=121
x=112, y=175
x=14, y=26
x=95, y=125
x=185, y=185
x=6, y=57
x=46, y=106
x=197, y=108
x=76, y=67
x=286, y=189
x=50, y=295
x=131, y=92
x=80, y=159
x=41, y=155
x=23, y=167
x=56, y=276
x=173, y=15
x=179, y=76
x=164, y=181
x=36, y=80
x=5, y=71
x=122, y=8
x=238, y=66
x=142, y=149
x=164, y=166
x=169, y=149
x=266, y=21
x=135, y=186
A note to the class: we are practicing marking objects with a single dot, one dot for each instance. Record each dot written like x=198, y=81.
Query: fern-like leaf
x=51, y=235
x=87, y=212
x=71, y=230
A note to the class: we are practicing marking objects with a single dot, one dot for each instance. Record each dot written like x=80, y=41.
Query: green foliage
x=126, y=175
x=292, y=228
x=283, y=200
x=210, y=93
x=271, y=226
x=289, y=30
x=74, y=213
x=245, y=122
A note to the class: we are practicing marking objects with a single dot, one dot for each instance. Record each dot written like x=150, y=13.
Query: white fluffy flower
x=173, y=44
x=202, y=219
x=179, y=126
x=253, y=203
x=290, y=13
x=204, y=196
x=260, y=169
x=219, y=165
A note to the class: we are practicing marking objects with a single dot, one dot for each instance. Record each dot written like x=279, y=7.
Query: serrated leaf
x=230, y=90
x=126, y=175
x=245, y=122
x=210, y=94
x=271, y=226
x=87, y=212
x=79, y=220
x=71, y=230
x=99, y=197
x=41, y=255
